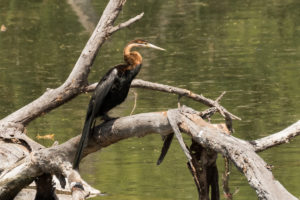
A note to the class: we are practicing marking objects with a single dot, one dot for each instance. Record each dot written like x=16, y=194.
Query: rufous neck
x=128, y=48
x=133, y=58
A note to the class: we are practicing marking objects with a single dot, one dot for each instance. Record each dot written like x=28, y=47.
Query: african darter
x=111, y=91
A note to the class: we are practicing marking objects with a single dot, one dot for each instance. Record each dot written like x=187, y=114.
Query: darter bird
x=111, y=91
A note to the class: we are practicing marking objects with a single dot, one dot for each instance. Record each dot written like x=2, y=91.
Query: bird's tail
x=165, y=148
x=83, y=140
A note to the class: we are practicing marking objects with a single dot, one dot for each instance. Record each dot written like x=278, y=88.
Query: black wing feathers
x=165, y=148
x=96, y=101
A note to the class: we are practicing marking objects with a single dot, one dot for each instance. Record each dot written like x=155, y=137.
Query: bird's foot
x=108, y=118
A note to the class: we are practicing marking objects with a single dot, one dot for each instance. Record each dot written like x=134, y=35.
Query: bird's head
x=143, y=43
x=134, y=58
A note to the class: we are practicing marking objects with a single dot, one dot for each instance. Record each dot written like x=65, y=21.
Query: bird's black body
x=117, y=81
x=111, y=91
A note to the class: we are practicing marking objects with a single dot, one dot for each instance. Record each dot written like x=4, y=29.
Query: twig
x=220, y=97
x=127, y=23
x=206, y=114
x=178, y=101
x=135, y=100
x=90, y=88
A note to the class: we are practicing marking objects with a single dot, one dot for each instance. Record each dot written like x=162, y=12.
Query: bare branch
x=19, y=173
x=90, y=88
x=220, y=97
x=275, y=139
x=127, y=23
x=134, y=105
x=80, y=189
x=15, y=178
x=138, y=83
x=37, y=160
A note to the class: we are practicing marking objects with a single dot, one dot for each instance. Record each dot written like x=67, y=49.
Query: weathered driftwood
x=57, y=159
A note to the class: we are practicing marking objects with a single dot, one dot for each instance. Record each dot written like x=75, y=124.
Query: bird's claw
x=108, y=118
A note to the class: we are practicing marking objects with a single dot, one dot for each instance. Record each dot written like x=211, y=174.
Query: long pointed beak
x=155, y=47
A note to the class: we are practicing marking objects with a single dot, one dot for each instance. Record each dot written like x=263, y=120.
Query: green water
x=251, y=49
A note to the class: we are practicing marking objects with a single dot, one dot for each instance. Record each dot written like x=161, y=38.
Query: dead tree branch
x=183, y=92
x=242, y=154
x=53, y=160
x=239, y=151
x=126, y=24
x=138, y=83
x=275, y=139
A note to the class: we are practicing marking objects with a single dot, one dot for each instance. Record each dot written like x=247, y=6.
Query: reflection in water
x=85, y=12
x=248, y=48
